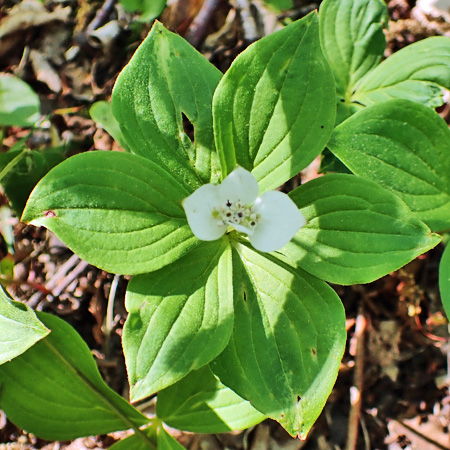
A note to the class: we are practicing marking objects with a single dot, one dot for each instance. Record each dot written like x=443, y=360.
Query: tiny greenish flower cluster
x=236, y=215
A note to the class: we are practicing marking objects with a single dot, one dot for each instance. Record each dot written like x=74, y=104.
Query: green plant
x=230, y=316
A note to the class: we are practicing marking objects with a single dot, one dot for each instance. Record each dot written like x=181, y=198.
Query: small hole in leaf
x=314, y=351
x=298, y=398
x=188, y=127
x=245, y=297
x=321, y=126
x=49, y=213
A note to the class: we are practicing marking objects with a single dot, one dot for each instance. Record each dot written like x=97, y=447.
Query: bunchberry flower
x=270, y=221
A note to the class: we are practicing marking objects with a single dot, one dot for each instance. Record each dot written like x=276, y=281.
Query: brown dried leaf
x=44, y=72
x=418, y=433
x=383, y=347
x=31, y=13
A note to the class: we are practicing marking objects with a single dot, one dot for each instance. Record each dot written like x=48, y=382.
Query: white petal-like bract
x=199, y=208
x=279, y=219
x=240, y=185
x=270, y=221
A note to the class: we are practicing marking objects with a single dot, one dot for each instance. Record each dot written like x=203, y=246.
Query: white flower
x=270, y=220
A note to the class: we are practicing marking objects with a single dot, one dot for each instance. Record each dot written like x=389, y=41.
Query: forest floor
x=398, y=342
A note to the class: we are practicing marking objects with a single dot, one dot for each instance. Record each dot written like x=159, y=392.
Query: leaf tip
x=435, y=239
x=157, y=27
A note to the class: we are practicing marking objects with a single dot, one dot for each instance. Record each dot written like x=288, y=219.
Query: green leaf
x=167, y=442
x=405, y=147
x=351, y=33
x=157, y=439
x=288, y=340
x=101, y=113
x=8, y=160
x=275, y=107
x=444, y=280
x=416, y=72
x=356, y=230
x=180, y=318
x=54, y=389
x=6, y=263
x=150, y=9
x=19, y=104
x=21, y=170
x=19, y=328
x=118, y=211
x=147, y=438
x=166, y=79
x=280, y=5
x=202, y=404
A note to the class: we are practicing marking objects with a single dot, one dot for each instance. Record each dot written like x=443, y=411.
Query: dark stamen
x=228, y=203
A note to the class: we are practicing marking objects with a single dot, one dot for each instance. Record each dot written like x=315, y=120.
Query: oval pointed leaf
x=405, y=147
x=287, y=343
x=19, y=328
x=351, y=33
x=118, y=211
x=202, y=404
x=356, y=231
x=19, y=104
x=150, y=438
x=101, y=114
x=19, y=176
x=275, y=107
x=166, y=79
x=180, y=318
x=54, y=389
x=146, y=439
x=167, y=442
x=415, y=72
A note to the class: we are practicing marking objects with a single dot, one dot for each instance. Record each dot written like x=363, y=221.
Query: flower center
x=236, y=214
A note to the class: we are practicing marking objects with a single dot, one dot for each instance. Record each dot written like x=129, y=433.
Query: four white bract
x=270, y=221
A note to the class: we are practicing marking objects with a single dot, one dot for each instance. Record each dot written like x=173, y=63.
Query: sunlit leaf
x=287, y=342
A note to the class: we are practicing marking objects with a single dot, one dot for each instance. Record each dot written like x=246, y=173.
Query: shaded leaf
x=202, y=404
x=19, y=328
x=103, y=117
x=166, y=79
x=19, y=104
x=356, y=231
x=69, y=398
x=20, y=171
x=144, y=440
x=153, y=437
x=149, y=9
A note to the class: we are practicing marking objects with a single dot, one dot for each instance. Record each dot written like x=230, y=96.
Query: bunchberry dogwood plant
x=230, y=316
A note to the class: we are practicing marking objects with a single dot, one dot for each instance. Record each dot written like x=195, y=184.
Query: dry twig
x=357, y=350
